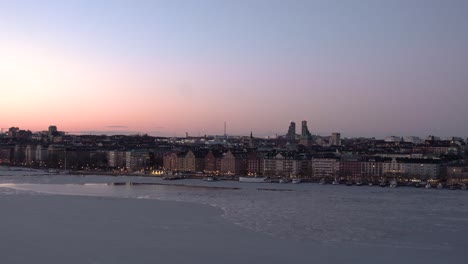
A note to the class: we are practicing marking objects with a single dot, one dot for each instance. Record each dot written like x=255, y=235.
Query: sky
x=363, y=68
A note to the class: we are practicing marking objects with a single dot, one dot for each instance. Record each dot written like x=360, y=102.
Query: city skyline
x=291, y=134
x=372, y=68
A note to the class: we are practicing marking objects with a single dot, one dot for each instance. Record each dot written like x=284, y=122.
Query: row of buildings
x=291, y=155
x=296, y=164
x=272, y=163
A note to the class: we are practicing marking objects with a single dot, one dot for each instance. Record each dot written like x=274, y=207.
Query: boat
x=358, y=183
x=370, y=183
x=463, y=186
x=296, y=180
x=253, y=179
x=172, y=177
x=393, y=184
x=349, y=183
x=428, y=186
x=284, y=180
x=210, y=179
x=383, y=183
x=322, y=181
x=440, y=186
x=335, y=182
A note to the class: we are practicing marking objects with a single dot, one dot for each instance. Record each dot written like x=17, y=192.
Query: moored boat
x=296, y=180
x=463, y=186
x=383, y=183
x=284, y=180
x=322, y=181
x=428, y=186
x=172, y=177
x=253, y=179
x=210, y=179
x=393, y=184
x=440, y=186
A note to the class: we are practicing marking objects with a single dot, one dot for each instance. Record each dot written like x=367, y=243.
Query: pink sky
x=363, y=69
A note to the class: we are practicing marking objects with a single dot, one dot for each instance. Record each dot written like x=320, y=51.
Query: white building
x=325, y=167
x=116, y=158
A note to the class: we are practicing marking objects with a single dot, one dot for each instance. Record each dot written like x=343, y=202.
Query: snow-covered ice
x=310, y=222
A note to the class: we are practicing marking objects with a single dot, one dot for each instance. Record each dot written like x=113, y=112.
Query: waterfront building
x=136, y=159
x=234, y=162
x=278, y=164
x=41, y=153
x=116, y=158
x=350, y=168
x=5, y=154
x=30, y=154
x=55, y=155
x=170, y=160
x=457, y=174
x=301, y=166
x=325, y=167
x=19, y=153
x=213, y=161
x=255, y=163
x=372, y=168
x=194, y=161
x=422, y=168
x=181, y=160
x=393, y=167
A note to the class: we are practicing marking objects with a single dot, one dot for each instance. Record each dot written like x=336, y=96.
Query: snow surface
x=305, y=223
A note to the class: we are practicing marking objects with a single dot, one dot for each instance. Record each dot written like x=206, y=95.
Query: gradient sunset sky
x=359, y=67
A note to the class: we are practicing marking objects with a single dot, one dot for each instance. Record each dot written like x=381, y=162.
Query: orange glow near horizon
x=47, y=87
x=42, y=88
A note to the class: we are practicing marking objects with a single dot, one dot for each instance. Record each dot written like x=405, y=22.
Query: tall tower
x=305, y=131
x=306, y=137
x=251, y=141
x=291, y=131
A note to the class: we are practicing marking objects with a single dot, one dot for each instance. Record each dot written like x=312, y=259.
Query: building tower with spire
x=306, y=137
x=251, y=141
x=291, y=132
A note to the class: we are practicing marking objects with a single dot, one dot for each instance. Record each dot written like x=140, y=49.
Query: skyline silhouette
x=366, y=68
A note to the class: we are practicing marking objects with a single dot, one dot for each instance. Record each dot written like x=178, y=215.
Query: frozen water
x=407, y=221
